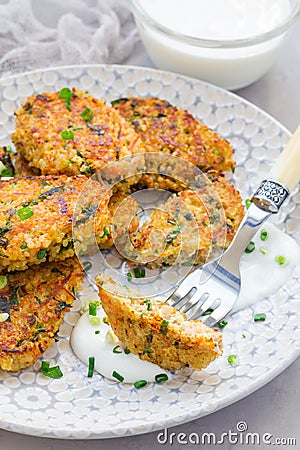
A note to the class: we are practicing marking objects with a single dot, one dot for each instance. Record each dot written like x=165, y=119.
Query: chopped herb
x=41, y=253
x=208, y=312
x=23, y=246
x=87, y=265
x=148, y=303
x=244, y=336
x=87, y=114
x=164, y=327
x=3, y=317
x=3, y=281
x=66, y=94
x=6, y=173
x=91, y=366
x=147, y=351
x=117, y=376
x=263, y=250
x=38, y=300
x=222, y=324
x=161, y=377
x=8, y=149
x=105, y=232
x=25, y=213
x=67, y=135
x=94, y=320
x=51, y=372
x=250, y=247
x=139, y=273
x=88, y=170
x=172, y=235
x=97, y=332
x=119, y=100
x=263, y=235
x=127, y=351
x=139, y=384
x=93, y=308
x=117, y=349
x=248, y=203
x=281, y=260
x=232, y=360
x=129, y=276
x=260, y=317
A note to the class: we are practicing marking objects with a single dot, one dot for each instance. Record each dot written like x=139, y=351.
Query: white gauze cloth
x=42, y=33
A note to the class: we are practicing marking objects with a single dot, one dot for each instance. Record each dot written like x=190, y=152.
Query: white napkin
x=42, y=33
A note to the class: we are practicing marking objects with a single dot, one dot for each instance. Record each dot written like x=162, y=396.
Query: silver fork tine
x=196, y=299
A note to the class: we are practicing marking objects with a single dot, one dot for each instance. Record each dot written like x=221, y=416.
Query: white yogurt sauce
x=261, y=276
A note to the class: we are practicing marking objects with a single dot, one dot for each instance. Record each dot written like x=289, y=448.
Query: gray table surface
x=272, y=409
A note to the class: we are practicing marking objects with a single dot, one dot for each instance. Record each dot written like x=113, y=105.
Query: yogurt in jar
x=214, y=20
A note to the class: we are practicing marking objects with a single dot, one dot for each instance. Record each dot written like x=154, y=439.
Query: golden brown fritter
x=190, y=226
x=37, y=214
x=22, y=168
x=156, y=331
x=34, y=302
x=174, y=131
x=76, y=134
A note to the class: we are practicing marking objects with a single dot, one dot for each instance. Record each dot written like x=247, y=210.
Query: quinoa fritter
x=174, y=131
x=37, y=214
x=190, y=226
x=71, y=132
x=22, y=169
x=155, y=331
x=35, y=301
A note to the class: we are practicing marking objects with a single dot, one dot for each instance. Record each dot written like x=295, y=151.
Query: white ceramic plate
x=78, y=407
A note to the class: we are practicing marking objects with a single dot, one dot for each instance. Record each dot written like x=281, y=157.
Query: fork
x=217, y=283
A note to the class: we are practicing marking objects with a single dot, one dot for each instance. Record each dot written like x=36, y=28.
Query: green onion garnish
x=222, y=324
x=3, y=281
x=87, y=114
x=264, y=235
x=67, y=135
x=25, y=213
x=66, y=94
x=164, y=327
x=117, y=376
x=208, y=312
x=139, y=384
x=250, y=247
x=232, y=360
x=105, y=232
x=117, y=349
x=6, y=173
x=263, y=250
x=281, y=260
x=23, y=246
x=127, y=351
x=147, y=351
x=97, y=332
x=243, y=336
x=129, y=276
x=41, y=253
x=51, y=372
x=139, y=273
x=148, y=303
x=92, y=309
x=8, y=149
x=260, y=317
x=161, y=377
x=91, y=366
x=247, y=203
x=87, y=265
x=94, y=320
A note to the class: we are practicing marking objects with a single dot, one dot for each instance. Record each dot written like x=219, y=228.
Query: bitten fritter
x=155, y=331
x=70, y=132
x=174, y=131
x=32, y=306
x=22, y=168
x=191, y=227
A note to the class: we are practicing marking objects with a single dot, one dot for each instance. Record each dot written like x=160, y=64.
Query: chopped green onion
x=127, y=351
x=6, y=173
x=41, y=253
x=164, y=327
x=3, y=281
x=129, y=276
x=250, y=247
x=25, y=213
x=172, y=235
x=260, y=317
x=148, y=303
x=243, y=336
x=97, y=332
x=94, y=320
x=87, y=114
x=91, y=366
x=66, y=94
x=263, y=250
x=51, y=372
x=208, y=312
x=67, y=135
x=161, y=377
x=222, y=324
x=87, y=265
x=8, y=149
x=3, y=317
x=105, y=232
x=23, y=246
x=247, y=203
x=117, y=376
x=232, y=360
x=281, y=260
x=147, y=351
x=139, y=273
x=92, y=308
x=117, y=349
x=139, y=384
x=264, y=235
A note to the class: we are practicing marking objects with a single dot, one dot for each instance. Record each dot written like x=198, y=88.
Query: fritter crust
x=155, y=331
x=79, y=137
x=36, y=301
